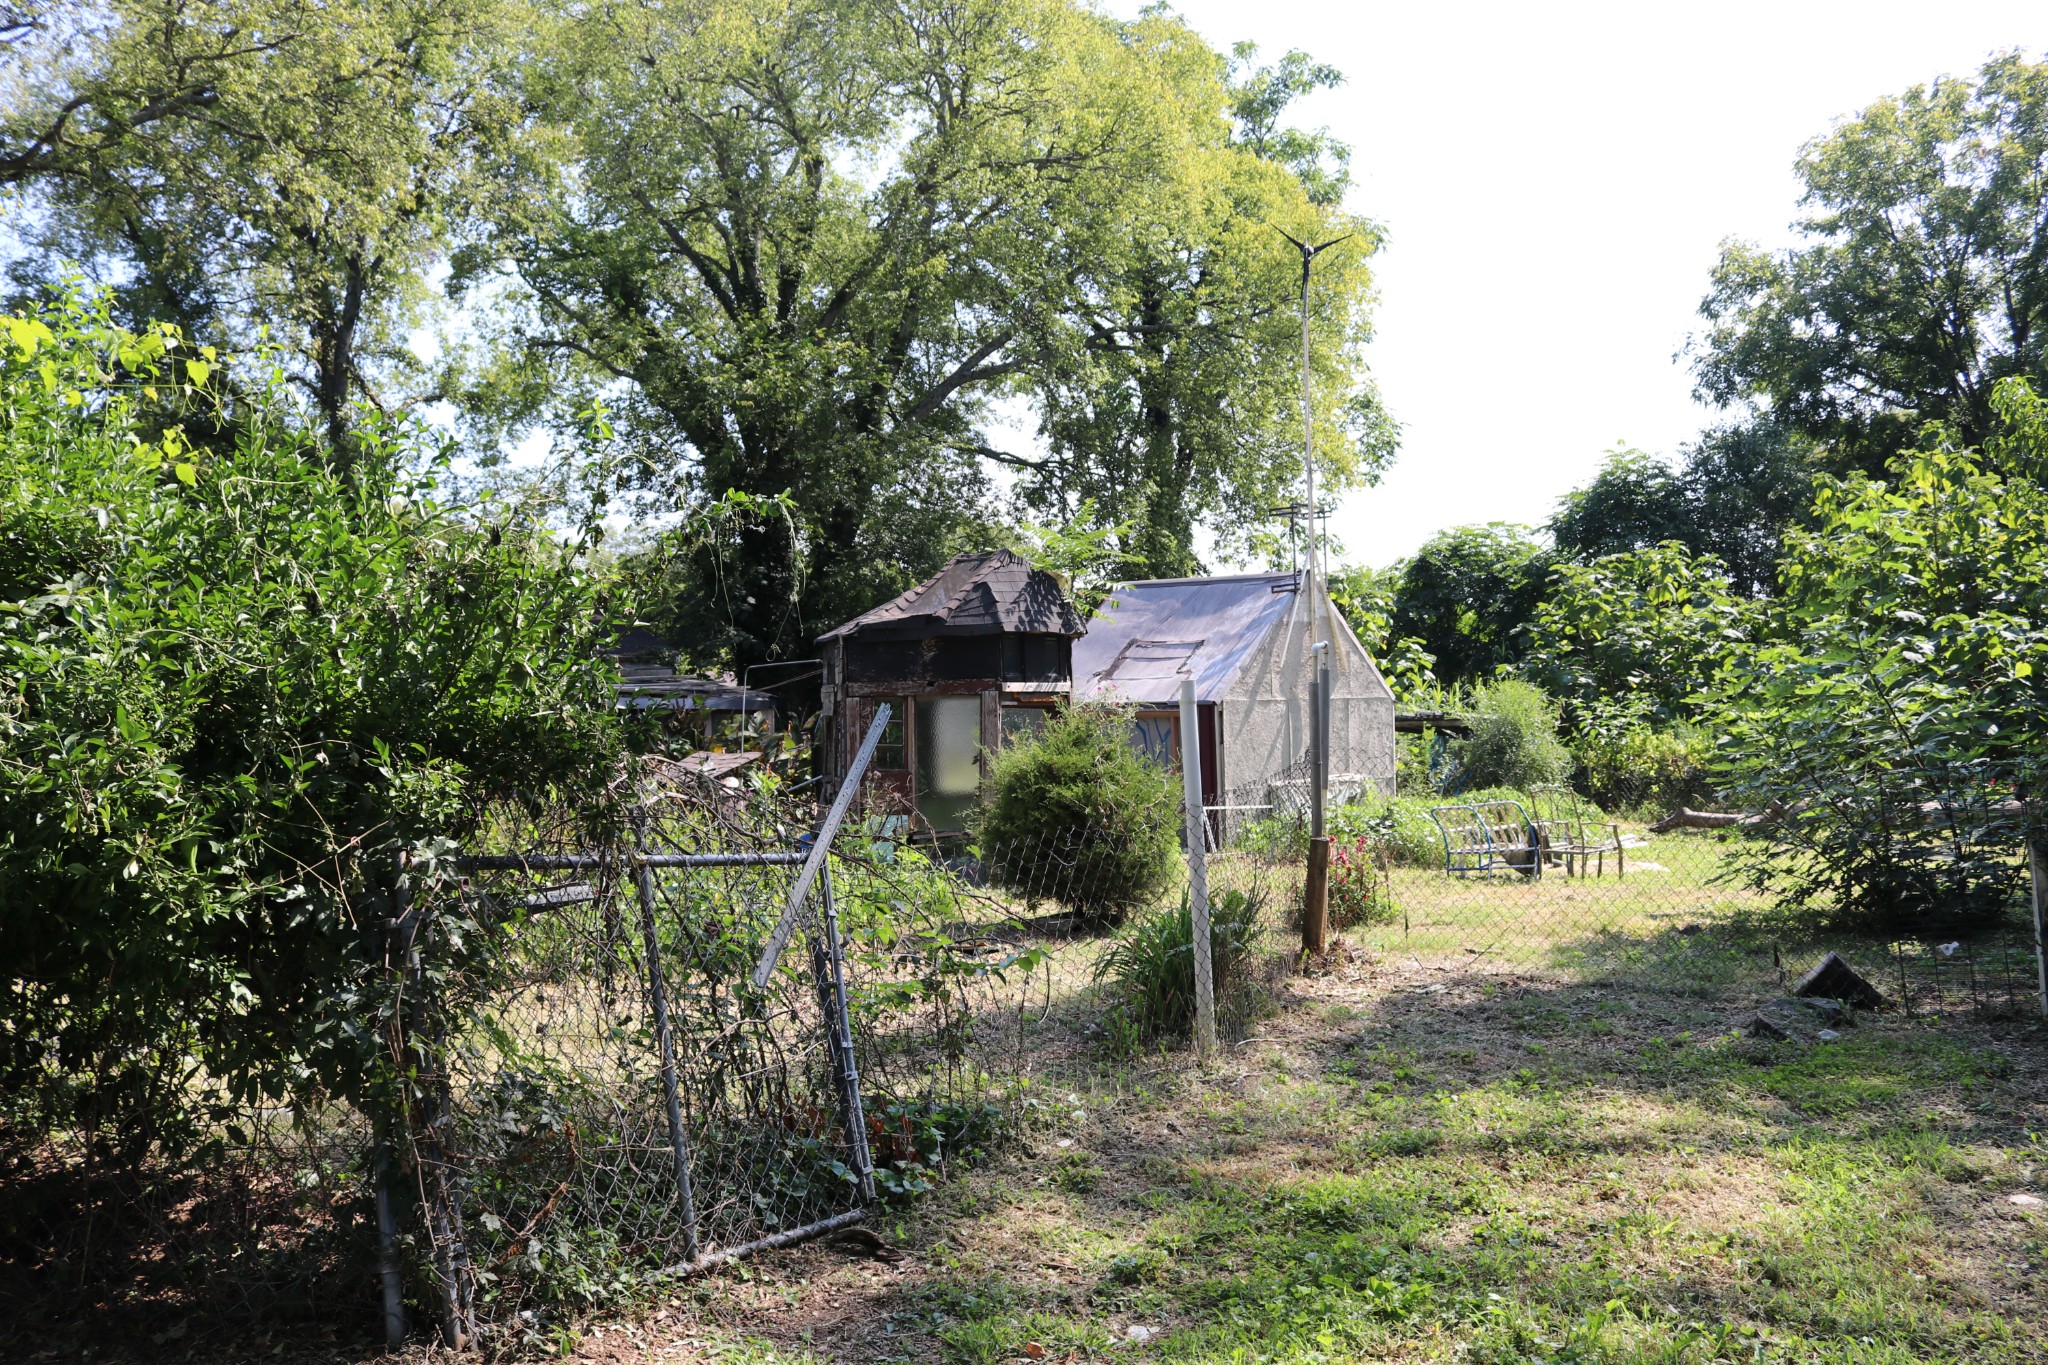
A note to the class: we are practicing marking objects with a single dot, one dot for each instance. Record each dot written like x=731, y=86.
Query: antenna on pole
x=1308, y=439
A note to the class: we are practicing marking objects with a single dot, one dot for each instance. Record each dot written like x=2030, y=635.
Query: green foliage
x=266, y=170
x=1081, y=550
x=1923, y=280
x=1732, y=496
x=1467, y=594
x=1365, y=598
x=237, y=683
x=1626, y=762
x=1513, y=740
x=1149, y=971
x=1169, y=393
x=1360, y=894
x=1398, y=828
x=805, y=247
x=1745, y=482
x=1651, y=624
x=1075, y=813
x=1894, y=702
x=1636, y=500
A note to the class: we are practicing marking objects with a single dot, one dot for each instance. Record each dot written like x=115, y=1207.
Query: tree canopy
x=1922, y=280
x=807, y=248
x=1466, y=596
x=264, y=170
x=827, y=249
x=1891, y=705
x=1731, y=497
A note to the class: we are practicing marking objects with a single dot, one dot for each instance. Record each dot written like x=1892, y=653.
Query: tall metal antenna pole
x=1308, y=436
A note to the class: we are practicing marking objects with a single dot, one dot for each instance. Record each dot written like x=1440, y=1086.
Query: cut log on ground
x=1687, y=818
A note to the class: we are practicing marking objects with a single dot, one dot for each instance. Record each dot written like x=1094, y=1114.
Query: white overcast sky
x=1555, y=181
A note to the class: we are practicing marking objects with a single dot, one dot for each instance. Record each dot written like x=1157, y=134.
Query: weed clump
x=1150, y=969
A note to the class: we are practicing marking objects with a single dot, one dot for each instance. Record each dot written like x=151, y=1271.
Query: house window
x=1156, y=737
x=889, y=752
x=948, y=759
x=1023, y=722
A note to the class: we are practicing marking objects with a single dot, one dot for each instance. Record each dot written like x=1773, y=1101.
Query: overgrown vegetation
x=240, y=678
x=1514, y=741
x=1890, y=719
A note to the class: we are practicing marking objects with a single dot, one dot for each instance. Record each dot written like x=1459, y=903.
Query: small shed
x=982, y=648
x=1246, y=641
x=713, y=712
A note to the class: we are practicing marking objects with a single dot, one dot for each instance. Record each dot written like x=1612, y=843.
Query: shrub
x=1890, y=718
x=1399, y=826
x=241, y=673
x=1627, y=764
x=1514, y=739
x=1075, y=814
x=1150, y=969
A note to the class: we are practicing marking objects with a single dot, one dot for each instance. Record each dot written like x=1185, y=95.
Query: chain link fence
x=590, y=1099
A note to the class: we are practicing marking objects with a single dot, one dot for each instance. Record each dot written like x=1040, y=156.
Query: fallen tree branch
x=1687, y=818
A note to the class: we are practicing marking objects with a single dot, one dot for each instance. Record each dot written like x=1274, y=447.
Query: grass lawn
x=1407, y=1163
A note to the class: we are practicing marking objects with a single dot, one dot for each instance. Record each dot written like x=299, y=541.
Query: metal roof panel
x=1151, y=633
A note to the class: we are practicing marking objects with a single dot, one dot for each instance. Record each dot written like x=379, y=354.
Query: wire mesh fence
x=1544, y=881
x=590, y=1098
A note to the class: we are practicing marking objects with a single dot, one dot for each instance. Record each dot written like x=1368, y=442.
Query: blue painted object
x=1487, y=836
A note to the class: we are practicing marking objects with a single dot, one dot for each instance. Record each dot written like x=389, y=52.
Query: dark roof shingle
x=995, y=592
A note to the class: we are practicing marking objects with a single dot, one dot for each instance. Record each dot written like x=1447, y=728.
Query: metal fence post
x=657, y=991
x=1198, y=871
x=390, y=1279
x=845, y=1070
x=442, y=1191
x=1315, y=909
x=2037, y=866
x=388, y=1275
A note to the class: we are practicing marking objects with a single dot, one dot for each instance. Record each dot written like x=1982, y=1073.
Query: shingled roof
x=991, y=593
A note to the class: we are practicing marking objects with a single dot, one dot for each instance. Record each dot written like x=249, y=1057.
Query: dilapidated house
x=980, y=649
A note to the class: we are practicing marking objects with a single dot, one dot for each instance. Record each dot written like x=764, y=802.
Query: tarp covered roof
x=1152, y=633
x=995, y=592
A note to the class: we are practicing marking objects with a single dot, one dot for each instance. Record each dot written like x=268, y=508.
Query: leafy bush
x=1400, y=826
x=1150, y=968
x=241, y=673
x=1625, y=763
x=1892, y=721
x=1652, y=625
x=1075, y=814
x=1514, y=740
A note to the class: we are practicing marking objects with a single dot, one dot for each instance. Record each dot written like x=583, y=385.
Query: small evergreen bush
x=1075, y=814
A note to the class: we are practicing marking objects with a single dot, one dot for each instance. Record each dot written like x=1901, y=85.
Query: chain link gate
x=631, y=1090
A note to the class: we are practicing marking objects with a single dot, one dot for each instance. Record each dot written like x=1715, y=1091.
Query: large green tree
x=1652, y=625
x=1468, y=595
x=1173, y=400
x=276, y=168
x=804, y=246
x=1921, y=282
x=1732, y=496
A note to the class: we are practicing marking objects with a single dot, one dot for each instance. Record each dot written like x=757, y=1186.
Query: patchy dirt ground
x=1411, y=1164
